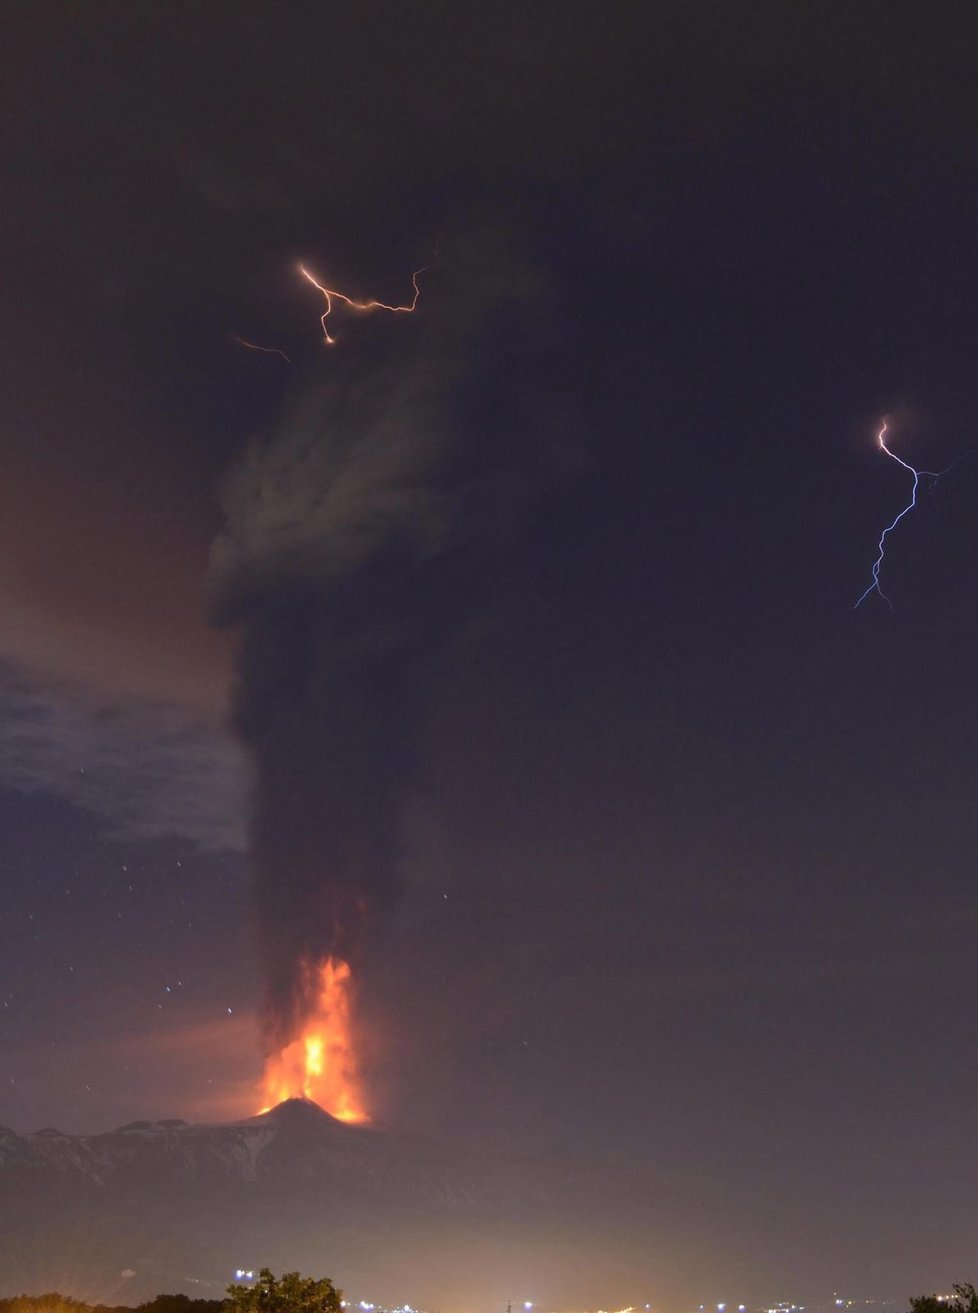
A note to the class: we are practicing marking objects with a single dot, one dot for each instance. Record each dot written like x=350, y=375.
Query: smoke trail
x=355, y=535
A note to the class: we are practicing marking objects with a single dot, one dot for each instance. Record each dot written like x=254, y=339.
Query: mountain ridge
x=160, y=1205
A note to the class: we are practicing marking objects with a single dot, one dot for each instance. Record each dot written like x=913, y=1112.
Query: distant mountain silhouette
x=120, y=1216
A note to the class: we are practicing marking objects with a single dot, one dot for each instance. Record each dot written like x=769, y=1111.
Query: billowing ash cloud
x=356, y=535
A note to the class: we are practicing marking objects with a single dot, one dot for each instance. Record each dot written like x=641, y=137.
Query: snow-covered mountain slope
x=153, y=1206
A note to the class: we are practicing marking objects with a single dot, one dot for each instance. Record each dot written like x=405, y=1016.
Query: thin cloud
x=147, y=769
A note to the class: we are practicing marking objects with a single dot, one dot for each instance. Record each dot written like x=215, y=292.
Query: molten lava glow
x=319, y=1063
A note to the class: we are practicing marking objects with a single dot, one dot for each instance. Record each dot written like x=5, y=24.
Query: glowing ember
x=319, y=1063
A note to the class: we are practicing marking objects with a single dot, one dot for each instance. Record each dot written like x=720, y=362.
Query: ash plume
x=357, y=533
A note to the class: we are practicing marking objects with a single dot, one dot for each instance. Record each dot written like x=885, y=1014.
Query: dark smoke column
x=354, y=535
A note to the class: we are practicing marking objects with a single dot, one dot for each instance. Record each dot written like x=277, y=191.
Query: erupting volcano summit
x=318, y=1063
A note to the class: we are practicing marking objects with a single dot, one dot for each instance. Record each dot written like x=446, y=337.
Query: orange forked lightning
x=330, y=294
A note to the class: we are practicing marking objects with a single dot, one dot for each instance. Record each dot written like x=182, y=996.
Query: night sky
x=670, y=850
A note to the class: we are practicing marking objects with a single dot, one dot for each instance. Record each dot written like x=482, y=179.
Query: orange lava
x=319, y=1063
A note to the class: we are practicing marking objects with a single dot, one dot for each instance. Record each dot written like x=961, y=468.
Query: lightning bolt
x=917, y=475
x=268, y=350
x=332, y=295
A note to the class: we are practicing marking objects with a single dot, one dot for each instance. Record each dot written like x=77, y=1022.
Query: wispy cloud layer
x=148, y=769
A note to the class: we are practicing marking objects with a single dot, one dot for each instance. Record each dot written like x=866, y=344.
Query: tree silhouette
x=289, y=1293
x=965, y=1301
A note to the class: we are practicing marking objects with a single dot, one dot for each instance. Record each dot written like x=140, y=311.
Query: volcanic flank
x=183, y=1206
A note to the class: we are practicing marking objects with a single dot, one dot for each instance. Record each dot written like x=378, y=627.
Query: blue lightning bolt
x=875, y=586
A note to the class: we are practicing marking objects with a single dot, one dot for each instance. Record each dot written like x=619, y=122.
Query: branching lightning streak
x=875, y=586
x=268, y=350
x=331, y=294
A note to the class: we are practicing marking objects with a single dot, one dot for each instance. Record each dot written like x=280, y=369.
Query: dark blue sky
x=686, y=844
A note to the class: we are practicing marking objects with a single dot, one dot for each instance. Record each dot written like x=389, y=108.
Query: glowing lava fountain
x=319, y=1063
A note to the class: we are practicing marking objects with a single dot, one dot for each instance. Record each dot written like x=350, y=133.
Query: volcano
x=165, y=1205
